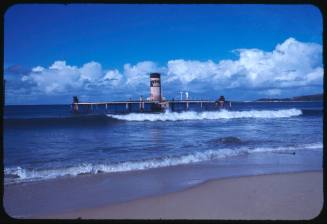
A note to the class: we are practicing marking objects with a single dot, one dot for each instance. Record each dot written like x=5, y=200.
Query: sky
x=103, y=52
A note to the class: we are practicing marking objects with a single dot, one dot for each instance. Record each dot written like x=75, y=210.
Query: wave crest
x=208, y=115
x=19, y=174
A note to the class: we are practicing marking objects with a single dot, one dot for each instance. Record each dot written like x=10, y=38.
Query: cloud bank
x=290, y=65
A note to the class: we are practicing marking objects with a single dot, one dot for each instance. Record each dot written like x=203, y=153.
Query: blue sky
x=105, y=52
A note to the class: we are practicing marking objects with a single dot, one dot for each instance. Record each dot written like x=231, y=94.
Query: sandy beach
x=289, y=196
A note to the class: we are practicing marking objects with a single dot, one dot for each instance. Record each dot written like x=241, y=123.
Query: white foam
x=317, y=145
x=312, y=146
x=198, y=156
x=208, y=115
x=25, y=174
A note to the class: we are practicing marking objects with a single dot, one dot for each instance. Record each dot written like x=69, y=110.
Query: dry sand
x=277, y=196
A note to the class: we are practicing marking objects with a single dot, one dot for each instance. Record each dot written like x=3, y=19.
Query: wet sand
x=289, y=196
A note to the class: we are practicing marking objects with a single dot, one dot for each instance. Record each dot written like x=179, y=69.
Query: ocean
x=88, y=160
x=49, y=141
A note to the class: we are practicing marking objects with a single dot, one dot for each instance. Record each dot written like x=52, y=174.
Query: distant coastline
x=314, y=97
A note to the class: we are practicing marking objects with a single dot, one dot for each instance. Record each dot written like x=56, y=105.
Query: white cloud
x=187, y=71
x=60, y=77
x=38, y=69
x=57, y=78
x=114, y=77
x=139, y=73
x=291, y=64
x=91, y=71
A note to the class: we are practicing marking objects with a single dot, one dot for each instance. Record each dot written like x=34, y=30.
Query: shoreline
x=236, y=162
x=289, y=196
x=70, y=194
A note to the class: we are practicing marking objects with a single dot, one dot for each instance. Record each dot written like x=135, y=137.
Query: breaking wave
x=19, y=174
x=208, y=115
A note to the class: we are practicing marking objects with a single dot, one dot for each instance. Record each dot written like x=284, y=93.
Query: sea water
x=45, y=142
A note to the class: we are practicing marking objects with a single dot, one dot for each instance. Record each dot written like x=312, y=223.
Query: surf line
x=207, y=115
